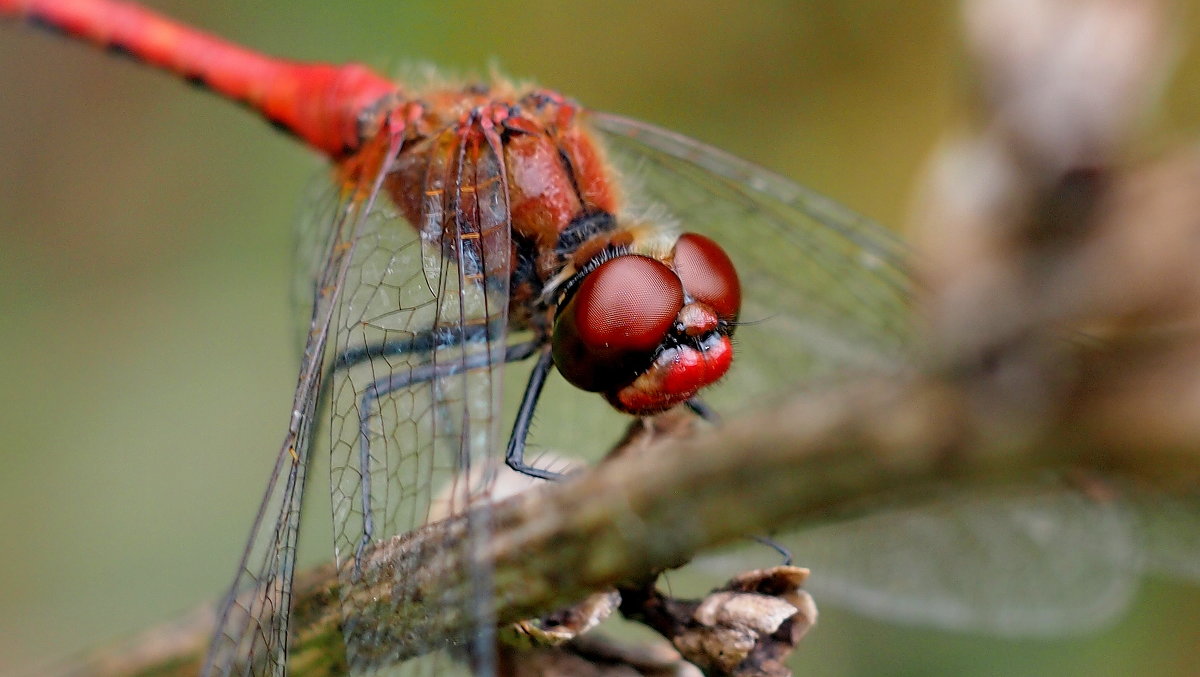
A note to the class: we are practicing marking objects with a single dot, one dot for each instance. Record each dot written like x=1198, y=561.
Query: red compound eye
x=616, y=320
x=708, y=274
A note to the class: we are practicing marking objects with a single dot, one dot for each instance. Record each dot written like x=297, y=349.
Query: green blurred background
x=147, y=354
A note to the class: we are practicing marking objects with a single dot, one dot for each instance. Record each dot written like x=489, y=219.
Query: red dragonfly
x=473, y=226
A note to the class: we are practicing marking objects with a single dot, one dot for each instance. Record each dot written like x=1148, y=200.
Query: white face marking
x=653, y=239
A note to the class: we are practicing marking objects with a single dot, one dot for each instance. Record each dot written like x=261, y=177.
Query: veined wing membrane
x=1032, y=561
x=410, y=422
x=252, y=626
x=831, y=290
x=1040, y=560
x=825, y=290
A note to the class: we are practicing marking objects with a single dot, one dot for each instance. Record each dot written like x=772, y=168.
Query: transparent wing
x=415, y=393
x=1170, y=528
x=1031, y=561
x=251, y=637
x=1028, y=562
x=824, y=289
x=827, y=292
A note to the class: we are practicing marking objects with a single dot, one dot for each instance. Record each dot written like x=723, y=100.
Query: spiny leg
x=701, y=409
x=515, y=456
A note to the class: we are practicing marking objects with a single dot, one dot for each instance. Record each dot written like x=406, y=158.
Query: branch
x=654, y=509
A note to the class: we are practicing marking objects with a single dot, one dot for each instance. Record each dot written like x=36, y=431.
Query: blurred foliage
x=148, y=356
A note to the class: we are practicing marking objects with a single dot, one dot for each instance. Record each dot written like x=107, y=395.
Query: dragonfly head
x=650, y=333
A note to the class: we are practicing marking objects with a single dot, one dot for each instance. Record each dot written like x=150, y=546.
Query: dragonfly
x=472, y=230
x=414, y=337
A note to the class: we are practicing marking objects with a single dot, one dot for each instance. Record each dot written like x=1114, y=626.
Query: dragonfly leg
x=777, y=547
x=515, y=457
x=702, y=410
x=395, y=381
x=421, y=342
x=709, y=414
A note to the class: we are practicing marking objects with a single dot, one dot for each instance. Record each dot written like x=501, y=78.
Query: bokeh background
x=147, y=348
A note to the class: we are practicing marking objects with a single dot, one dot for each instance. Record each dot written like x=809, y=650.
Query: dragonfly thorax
x=528, y=152
x=515, y=187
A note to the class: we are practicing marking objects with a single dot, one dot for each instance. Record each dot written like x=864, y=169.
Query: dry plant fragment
x=561, y=626
x=1036, y=226
x=595, y=656
x=1064, y=84
x=746, y=628
x=1066, y=81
